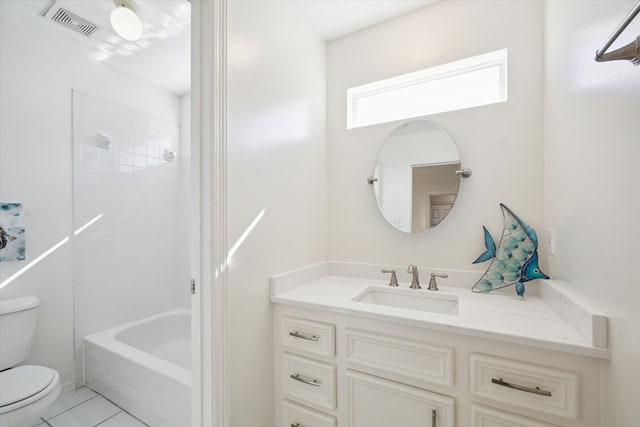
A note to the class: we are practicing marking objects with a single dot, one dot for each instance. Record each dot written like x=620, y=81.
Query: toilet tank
x=18, y=317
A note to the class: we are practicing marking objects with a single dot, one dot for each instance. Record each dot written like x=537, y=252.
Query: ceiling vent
x=71, y=20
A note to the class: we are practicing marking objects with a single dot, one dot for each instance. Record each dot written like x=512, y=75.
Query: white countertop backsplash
x=548, y=317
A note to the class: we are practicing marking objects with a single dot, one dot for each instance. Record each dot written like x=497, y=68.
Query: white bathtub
x=144, y=367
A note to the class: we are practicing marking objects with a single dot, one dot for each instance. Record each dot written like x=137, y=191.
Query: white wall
x=501, y=143
x=276, y=164
x=36, y=79
x=592, y=148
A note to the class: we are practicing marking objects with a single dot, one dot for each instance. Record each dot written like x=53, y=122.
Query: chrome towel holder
x=629, y=52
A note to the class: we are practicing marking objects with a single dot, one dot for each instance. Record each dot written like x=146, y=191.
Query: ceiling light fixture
x=125, y=20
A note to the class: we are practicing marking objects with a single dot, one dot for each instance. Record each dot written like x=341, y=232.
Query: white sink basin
x=434, y=302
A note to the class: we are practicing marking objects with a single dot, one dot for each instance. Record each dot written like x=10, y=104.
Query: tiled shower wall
x=131, y=216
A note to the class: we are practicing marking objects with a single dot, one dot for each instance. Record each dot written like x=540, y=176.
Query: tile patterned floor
x=85, y=408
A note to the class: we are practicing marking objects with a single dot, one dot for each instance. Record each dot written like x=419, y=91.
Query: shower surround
x=130, y=215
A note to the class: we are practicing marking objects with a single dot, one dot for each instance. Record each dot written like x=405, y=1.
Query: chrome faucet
x=433, y=286
x=415, y=279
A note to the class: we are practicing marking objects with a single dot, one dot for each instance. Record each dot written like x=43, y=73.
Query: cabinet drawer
x=489, y=417
x=305, y=335
x=400, y=357
x=525, y=385
x=299, y=416
x=376, y=402
x=309, y=381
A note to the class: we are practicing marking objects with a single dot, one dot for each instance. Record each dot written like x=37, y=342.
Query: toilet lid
x=20, y=383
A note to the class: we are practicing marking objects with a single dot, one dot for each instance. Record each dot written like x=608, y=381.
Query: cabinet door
x=488, y=417
x=376, y=402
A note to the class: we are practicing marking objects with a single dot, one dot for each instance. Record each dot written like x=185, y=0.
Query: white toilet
x=25, y=391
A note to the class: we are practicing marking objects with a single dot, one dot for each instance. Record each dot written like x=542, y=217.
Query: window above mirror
x=470, y=82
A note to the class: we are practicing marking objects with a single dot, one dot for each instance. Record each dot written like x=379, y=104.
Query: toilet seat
x=24, y=385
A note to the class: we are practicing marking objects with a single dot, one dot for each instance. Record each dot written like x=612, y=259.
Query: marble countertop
x=501, y=316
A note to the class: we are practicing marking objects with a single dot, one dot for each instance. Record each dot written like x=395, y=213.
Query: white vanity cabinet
x=363, y=372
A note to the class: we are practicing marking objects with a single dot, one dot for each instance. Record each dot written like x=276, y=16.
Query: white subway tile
x=90, y=123
x=108, y=113
x=89, y=195
x=125, y=158
x=140, y=121
x=90, y=165
x=154, y=150
x=140, y=146
x=125, y=140
x=110, y=196
x=109, y=182
x=125, y=170
x=89, y=180
x=109, y=155
x=108, y=169
x=90, y=107
x=156, y=125
x=139, y=161
x=89, y=152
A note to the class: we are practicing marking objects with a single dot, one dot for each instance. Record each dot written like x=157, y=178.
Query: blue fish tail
x=520, y=289
x=490, y=245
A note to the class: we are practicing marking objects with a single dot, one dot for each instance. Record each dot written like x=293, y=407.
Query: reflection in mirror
x=434, y=191
x=414, y=176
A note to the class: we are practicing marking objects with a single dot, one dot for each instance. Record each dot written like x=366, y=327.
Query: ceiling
x=162, y=56
x=333, y=19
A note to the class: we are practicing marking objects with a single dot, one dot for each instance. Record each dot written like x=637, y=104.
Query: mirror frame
x=438, y=158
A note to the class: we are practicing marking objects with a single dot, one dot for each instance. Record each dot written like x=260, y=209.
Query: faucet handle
x=433, y=286
x=394, y=279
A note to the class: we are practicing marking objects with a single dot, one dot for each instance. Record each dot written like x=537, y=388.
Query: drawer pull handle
x=534, y=390
x=433, y=418
x=296, y=425
x=305, y=380
x=297, y=334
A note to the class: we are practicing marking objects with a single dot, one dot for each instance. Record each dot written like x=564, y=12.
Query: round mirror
x=415, y=176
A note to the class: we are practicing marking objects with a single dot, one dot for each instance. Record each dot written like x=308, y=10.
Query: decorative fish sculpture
x=514, y=261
